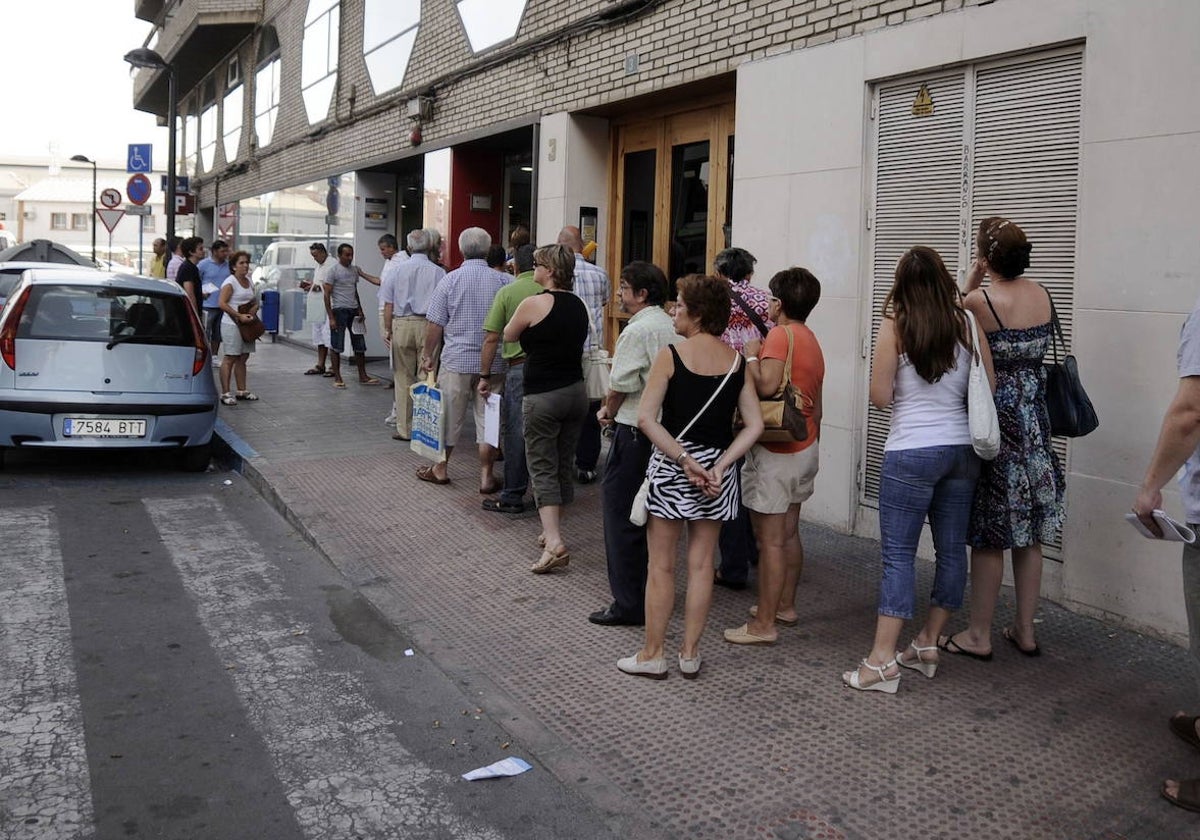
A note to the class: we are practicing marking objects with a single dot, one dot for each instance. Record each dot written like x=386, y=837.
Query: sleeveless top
x=688, y=391
x=930, y=413
x=554, y=345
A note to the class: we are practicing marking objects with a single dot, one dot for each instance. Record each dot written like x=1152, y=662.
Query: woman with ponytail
x=921, y=366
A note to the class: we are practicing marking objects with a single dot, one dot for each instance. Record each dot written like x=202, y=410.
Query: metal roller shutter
x=1016, y=154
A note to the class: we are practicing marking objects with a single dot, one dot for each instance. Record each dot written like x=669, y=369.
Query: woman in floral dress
x=1019, y=497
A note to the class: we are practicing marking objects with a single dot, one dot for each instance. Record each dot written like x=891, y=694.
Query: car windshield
x=101, y=313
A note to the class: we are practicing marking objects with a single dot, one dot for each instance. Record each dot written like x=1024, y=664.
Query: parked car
x=10, y=274
x=96, y=360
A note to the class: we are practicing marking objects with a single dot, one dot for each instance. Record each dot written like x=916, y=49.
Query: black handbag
x=1070, y=409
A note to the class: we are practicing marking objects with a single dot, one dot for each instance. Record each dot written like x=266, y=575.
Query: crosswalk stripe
x=345, y=772
x=45, y=788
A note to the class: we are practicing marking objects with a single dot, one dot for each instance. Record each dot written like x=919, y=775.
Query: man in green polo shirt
x=516, y=472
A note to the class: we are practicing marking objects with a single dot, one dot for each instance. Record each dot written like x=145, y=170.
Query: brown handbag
x=253, y=330
x=783, y=413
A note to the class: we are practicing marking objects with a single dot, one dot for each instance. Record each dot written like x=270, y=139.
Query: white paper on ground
x=1173, y=530
x=491, y=421
x=511, y=766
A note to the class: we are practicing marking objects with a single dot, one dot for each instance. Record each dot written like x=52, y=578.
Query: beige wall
x=800, y=197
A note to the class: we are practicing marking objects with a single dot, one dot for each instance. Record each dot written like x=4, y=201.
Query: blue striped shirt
x=459, y=305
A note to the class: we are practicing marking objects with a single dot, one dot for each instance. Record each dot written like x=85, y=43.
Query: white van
x=284, y=265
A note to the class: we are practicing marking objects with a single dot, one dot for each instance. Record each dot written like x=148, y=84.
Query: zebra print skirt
x=672, y=496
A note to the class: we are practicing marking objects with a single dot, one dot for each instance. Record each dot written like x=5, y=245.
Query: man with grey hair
x=455, y=317
x=407, y=293
x=592, y=286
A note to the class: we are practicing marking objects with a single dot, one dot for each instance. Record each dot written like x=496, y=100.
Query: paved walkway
x=767, y=743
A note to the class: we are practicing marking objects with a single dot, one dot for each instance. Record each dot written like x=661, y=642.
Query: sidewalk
x=767, y=743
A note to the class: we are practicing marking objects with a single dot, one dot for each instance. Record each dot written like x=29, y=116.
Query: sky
x=77, y=90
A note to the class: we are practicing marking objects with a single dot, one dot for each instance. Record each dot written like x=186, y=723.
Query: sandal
x=247, y=396
x=327, y=373
x=337, y=383
x=370, y=380
x=1008, y=634
x=920, y=663
x=551, y=560
x=886, y=684
x=1184, y=727
x=228, y=399
x=427, y=474
x=948, y=644
x=315, y=371
x=1188, y=796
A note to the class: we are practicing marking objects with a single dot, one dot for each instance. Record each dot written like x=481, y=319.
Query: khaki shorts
x=774, y=481
x=459, y=394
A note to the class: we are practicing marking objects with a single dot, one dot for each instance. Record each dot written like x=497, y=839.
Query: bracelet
x=681, y=457
x=750, y=359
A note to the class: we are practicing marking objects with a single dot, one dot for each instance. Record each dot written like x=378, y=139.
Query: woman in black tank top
x=552, y=327
x=697, y=383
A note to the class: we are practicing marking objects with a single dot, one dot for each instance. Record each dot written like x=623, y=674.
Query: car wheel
x=196, y=458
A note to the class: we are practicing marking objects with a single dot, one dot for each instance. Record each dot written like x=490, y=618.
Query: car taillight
x=199, y=340
x=8, y=333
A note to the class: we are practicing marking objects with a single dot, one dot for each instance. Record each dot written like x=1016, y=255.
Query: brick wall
x=677, y=42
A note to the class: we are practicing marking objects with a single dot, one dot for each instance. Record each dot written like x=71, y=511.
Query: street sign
x=138, y=188
x=109, y=217
x=182, y=183
x=137, y=209
x=110, y=198
x=185, y=204
x=139, y=159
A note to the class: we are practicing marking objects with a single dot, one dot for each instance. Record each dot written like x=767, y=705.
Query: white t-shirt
x=1189, y=365
x=241, y=295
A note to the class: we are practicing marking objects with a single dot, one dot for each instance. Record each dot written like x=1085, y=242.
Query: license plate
x=81, y=427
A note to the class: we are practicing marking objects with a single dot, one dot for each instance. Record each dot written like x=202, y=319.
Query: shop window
x=389, y=32
x=232, y=108
x=319, y=60
x=208, y=125
x=79, y=221
x=490, y=22
x=58, y=221
x=266, y=86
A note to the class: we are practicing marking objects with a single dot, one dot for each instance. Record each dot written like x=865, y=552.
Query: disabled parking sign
x=140, y=158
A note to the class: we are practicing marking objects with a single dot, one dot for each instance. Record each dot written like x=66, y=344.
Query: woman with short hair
x=552, y=327
x=778, y=477
x=696, y=385
x=921, y=368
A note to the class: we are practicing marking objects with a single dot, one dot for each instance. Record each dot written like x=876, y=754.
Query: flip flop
x=327, y=373
x=1188, y=797
x=948, y=644
x=427, y=474
x=1012, y=640
x=314, y=371
x=371, y=381
x=1184, y=727
x=339, y=384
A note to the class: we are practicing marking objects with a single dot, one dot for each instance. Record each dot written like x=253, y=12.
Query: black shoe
x=736, y=585
x=501, y=506
x=585, y=476
x=608, y=618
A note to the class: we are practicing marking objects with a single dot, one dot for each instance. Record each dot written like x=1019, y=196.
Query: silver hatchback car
x=91, y=360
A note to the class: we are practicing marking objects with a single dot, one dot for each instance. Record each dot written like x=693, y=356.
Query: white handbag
x=596, y=367
x=638, y=512
x=981, y=407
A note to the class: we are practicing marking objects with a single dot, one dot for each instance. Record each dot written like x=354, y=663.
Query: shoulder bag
x=638, y=513
x=253, y=330
x=1071, y=412
x=596, y=366
x=981, y=407
x=783, y=413
x=749, y=310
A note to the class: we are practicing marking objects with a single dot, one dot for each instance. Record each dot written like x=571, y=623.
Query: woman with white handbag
x=925, y=350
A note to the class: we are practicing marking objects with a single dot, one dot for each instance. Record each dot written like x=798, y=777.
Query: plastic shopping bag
x=428, y=420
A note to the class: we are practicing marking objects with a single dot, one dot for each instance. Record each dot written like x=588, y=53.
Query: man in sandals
x=343, y=306
x=1179, y=446
x=315, y=307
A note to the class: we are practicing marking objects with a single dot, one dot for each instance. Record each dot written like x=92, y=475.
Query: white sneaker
x=390, y=420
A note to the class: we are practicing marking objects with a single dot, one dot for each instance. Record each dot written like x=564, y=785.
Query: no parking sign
x=138, y=189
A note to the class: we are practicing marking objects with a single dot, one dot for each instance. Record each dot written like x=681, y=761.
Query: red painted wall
x=473, y=171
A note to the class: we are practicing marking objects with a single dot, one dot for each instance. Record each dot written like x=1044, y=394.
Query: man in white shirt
x=314, y=310
x=405, y=297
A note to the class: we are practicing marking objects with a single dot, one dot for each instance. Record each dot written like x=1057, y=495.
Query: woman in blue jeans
x=921, y=365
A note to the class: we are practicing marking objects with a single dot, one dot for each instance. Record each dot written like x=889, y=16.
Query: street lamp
x=85, y=159
x=147, y=59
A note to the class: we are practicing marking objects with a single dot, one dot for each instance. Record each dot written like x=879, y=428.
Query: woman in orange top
x=778, y=477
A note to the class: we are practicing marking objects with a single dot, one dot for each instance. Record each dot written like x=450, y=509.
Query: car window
x=86, y=313
x=8, y=282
